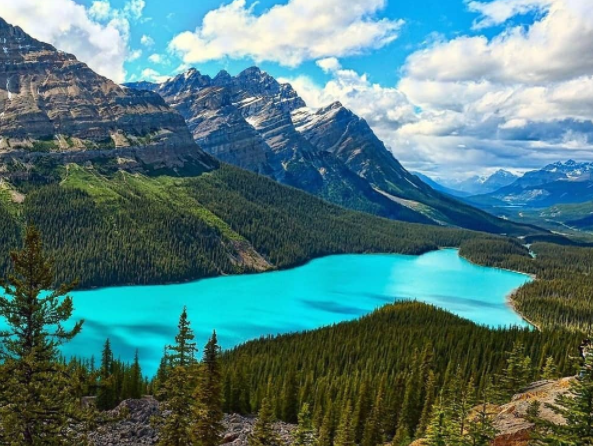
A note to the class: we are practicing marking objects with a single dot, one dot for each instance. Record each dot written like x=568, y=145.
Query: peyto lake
x=322, y=292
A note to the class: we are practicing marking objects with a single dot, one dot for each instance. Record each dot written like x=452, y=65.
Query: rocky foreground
x=511, y=419
x=133, y=427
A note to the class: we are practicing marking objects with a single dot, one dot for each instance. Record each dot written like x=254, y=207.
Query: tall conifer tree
x=207, y=409
x=37, y=394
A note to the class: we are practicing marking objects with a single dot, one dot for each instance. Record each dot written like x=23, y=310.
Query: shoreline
x=509, y=297
x=511, y=303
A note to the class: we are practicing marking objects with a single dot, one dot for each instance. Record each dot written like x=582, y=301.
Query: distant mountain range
x=254, y=122
x=557, y=183
x=474, y=185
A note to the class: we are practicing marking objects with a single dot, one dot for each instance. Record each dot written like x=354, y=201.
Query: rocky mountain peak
x=330, y=152
x=51, y=104
x=222, y=78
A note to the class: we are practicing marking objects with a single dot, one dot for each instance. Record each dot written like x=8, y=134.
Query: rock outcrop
x=132, y=426
x=52, y=105
x=511, y=419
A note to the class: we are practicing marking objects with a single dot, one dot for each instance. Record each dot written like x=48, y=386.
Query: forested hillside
x=122, y=228
x=562, y=294
x=397, y=361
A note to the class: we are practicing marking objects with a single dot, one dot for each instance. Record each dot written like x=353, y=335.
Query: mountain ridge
x=557, y=183
x=253, y=121
x=52, y=105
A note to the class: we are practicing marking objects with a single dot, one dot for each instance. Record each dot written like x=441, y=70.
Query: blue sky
x=453, y=87
x=425, y=20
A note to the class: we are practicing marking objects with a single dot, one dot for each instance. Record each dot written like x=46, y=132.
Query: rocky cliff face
x=53, y=105
x=253, y=121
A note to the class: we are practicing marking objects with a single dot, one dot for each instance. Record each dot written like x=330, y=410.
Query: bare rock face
x=252, y=121
x=133, y=426
x=511, y=419
x=255, y=122
x=53, y=105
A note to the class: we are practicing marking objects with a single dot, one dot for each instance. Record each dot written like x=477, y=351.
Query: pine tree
x=438, y=431
x=263, y=432
x=208, y=414
x=533, y=415
x=183, y=352
x=177, y=391
x=516, y=374
x=363, y=409
x=427, y=408
x=37, y=394
x=373, y=430
x=136, y=380
x=161, y=374
x=549, y=371
x=576, y=408
x=345, y=432
x=176, y=428
x=105, y=394
x=481, y=430
x=305, y=434
x=325, y=435
x=290, y=399
x=462, y=400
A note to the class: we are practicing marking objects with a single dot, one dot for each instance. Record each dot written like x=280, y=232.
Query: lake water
x=322, y=292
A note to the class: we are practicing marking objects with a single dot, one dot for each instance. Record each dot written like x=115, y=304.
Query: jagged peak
x=252, y=71
x=223, y=74
x=337, y=105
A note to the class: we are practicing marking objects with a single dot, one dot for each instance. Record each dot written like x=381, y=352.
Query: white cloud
x=519, y=99
x=147, y=41
x=497, y=12
x=156, y=58
x=553, y=48
x=134, y=55
x=329, y=64
x=288, y=33
x=97, y=36
x=100, y=10
x=134, y=8
x=149, y=74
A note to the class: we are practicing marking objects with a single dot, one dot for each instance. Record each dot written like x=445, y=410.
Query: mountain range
x=255, y=122
x=473, y=185
x=557, y=183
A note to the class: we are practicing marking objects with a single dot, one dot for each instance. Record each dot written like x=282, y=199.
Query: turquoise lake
x=324, y=291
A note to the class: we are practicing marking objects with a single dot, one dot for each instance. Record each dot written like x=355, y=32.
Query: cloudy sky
x=453, y=87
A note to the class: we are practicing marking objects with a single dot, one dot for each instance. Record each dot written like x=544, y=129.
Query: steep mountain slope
x=129, y=228
x=253, y=121
x=557, y=183
x=246, y=121
x=53, y=105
